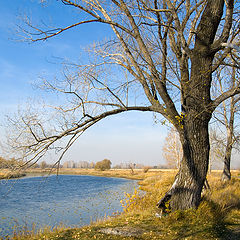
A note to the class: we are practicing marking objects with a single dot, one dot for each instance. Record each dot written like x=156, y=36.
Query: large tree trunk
x=187, y=188
x=186, y=191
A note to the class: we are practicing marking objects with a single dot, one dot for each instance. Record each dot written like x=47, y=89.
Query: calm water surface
x=68, y=199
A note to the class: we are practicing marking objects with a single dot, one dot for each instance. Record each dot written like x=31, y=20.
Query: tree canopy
x=163, y=58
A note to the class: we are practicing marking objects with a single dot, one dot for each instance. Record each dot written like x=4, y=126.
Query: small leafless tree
x=216, y=148
x=172, y=149
x=226, y=114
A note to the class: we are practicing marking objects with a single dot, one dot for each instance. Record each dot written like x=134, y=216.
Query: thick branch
x=223, y=97
x=217, y=45
x=208, y=25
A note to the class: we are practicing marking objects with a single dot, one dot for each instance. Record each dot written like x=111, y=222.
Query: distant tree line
x=91, y=165
x=104, y=164
x=80, y=164
x=139, y=166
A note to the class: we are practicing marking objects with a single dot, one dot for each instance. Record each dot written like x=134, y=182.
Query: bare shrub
x=145, y=169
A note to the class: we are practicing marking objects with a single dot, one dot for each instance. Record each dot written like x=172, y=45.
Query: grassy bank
x=7, y=174
x=137, y=174
x=218, y=216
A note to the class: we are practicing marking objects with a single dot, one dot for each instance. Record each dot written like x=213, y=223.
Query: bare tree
x=43, y=165
x=226, y=114
x=164, y=55
x=216, y=148
x=172, y=149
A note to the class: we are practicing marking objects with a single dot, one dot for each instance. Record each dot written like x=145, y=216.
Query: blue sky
x=123, y=138
x=130, y=138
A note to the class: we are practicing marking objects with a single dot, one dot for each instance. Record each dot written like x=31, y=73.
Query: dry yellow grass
x=138, y=174
x=7, y=174
x=218, y=216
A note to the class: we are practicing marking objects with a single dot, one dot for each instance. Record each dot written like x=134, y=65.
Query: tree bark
x=226, y=175
x=186, y=191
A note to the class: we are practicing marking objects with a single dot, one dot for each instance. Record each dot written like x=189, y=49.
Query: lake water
x=53, y=200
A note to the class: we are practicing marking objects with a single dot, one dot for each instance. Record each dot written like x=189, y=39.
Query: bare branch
x=224, y=96
x=226, y=28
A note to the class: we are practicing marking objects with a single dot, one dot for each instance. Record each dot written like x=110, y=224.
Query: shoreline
x=12, y=176
x=137, y=174
x=139, y=220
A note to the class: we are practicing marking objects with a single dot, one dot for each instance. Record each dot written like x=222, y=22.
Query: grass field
x=218, y=216
x=137, y=174
x=6, y=174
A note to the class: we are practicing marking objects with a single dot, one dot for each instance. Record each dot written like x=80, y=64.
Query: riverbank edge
x=12, y=175
x=139, y=220
x=137, y=174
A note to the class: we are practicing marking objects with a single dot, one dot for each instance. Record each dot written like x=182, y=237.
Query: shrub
x=8, y=163
x=145, y=169
x=131, y=200
x=103, y=165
